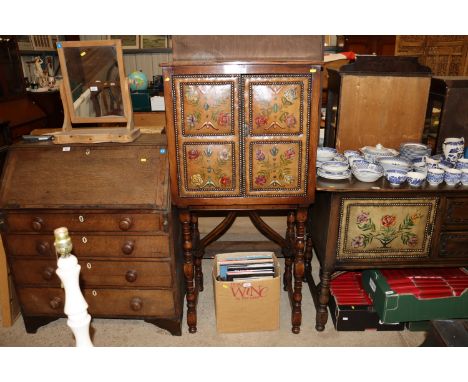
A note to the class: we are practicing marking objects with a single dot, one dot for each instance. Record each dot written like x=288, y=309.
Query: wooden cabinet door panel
x=206, y=117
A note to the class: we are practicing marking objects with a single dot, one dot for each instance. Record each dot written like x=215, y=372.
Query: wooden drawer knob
x=55, y=303
x=125, y=224
x=136, y=303
x=128, y=247
x=37, y=224
x=131, y=276
x=43, y=248
x=48, y=273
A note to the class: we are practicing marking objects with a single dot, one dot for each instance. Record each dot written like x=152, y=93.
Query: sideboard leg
x=288, y=251
x=323, y=296
x=301, y=217
x=308, y=258
x=191, y=292
x=198, y=252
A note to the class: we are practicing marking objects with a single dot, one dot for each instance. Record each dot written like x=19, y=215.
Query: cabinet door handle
x=55, y=303
x=43, y=248
x=136, y=303
x=125, y=224
x=48, y=273
x=37, y=224
x=128, y=247
x=131, y=276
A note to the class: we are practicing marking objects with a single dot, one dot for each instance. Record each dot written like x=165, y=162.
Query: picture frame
x=24, y=42
x=153, y=42
x=128, y=41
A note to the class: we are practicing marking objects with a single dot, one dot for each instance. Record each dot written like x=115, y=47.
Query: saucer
x=334, y=175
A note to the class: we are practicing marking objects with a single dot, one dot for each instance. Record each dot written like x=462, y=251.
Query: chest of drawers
x=115, y=202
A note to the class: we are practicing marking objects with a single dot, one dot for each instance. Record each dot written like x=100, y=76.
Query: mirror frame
x=66, y=80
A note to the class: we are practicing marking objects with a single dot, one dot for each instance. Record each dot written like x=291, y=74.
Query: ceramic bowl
x=353, y=158
x=415, y=178
x=325, y=153
x=464, y=176
x=462, y=163
x=351, y=153
x=367, y=175
x=394, y=163
x=340, y=158
x=452, y=176
x=445, y=164
x=334, y=167
x=396, y=177
x=435, y=176
x=367, y=166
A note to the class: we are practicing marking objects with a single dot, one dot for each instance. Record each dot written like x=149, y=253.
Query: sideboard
x=355, y=225
x=114, y=200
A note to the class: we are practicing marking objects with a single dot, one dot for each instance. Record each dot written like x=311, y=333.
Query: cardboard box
x=398, y=307
x=350, y=307
x=246, y=305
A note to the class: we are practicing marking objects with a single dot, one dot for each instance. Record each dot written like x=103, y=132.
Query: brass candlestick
x=63, y=244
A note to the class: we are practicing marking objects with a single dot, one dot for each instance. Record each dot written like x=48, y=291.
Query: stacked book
x=246, y=267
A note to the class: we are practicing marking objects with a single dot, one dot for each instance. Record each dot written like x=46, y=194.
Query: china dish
x=325, y=153
x=367, y=175
x=394, y=163
x=372, y=153
x=334, y=175
x=335, y=167
x=396, y=177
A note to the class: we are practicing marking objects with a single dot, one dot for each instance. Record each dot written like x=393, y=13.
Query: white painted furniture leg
x=76, y=307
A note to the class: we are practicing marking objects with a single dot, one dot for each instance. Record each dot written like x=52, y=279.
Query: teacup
x=432, y=162
x=464, y=176
x=452, y=176
x=462, y=163
x=435, y=176
x=414, y=178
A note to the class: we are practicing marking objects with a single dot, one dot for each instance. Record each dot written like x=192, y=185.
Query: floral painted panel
x=207, y=108
x=275, y=166
x=209, y=167
x=386, y=227
x=276, y=107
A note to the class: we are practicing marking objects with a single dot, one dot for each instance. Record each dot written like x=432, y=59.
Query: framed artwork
x=42, y=42
x=153, y=42
x=24, y=42
x=128, y=42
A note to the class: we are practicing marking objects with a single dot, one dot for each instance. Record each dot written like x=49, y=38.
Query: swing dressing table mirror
x=95, y=94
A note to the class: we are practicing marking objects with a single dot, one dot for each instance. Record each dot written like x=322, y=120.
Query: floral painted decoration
x=387, y=231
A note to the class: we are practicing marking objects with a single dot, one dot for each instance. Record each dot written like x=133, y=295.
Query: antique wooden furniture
x=376, y=100
x=447, y=111
x=355, y=225
x=94, y=91
x=114, y=200
x=445, y=55
x=242, y=136
x=380, y=45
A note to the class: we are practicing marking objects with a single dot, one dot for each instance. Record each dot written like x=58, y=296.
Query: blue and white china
x=462, y=163
x=335, y=167
x=367, y=172
x=367, y=175
x=396, y=177
x=394, y=163
x=412, y=151
x=453, y=148
x=334, y=175
x=464, y=176
x=435, y=176
x=452, y=176
x=445, y=164
x=325, y=153
x=415, y=178
x=372, y=153
x=358, y=158
x=432, y=162
x=340, y=158
x=350, y=153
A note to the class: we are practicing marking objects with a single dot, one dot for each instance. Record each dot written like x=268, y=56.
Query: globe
x=138, y=81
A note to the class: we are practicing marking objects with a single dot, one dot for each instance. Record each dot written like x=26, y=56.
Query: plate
x=334, y=175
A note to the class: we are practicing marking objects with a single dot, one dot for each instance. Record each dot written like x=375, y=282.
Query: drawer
x=456, y=212
x=86, y=222
x=90, y=245
x=101, y=302
x=95, y=273
x=453, y=244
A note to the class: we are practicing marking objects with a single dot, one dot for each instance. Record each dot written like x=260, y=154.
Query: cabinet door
x=379, y=228
x=207, y=135
x=277, y=126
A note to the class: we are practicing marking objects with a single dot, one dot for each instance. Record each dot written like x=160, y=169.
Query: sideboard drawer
x=453, y=244
x=102, y=302
x=42, y=222
x=91, y=245
x=96, y=273
x=456, y=211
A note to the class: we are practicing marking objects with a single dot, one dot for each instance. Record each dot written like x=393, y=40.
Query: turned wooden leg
x=185, y=219
x=301, y=217
x=323, y=296
x=198, y=252
x=288, y=251
x=308, y=258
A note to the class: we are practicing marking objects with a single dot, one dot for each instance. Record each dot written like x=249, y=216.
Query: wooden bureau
x=115, y=202
x=355, y=225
